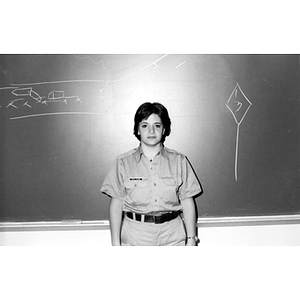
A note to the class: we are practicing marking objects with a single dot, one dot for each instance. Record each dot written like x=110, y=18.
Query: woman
x=152, y=188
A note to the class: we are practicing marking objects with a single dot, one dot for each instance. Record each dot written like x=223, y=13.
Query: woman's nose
x=151, y=129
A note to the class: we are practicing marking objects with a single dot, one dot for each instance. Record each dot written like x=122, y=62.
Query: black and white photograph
x=148, y=124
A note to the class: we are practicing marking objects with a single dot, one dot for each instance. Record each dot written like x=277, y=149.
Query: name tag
x=136, y=178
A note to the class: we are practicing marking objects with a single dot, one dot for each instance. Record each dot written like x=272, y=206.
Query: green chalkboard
x=64, y=119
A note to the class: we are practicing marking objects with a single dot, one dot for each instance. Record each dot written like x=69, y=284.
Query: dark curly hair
x=147, y=109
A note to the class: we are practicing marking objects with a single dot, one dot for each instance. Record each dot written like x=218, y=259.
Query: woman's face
x=151, y=130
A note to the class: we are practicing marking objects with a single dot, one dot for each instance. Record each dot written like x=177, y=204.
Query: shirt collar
x=139, y=153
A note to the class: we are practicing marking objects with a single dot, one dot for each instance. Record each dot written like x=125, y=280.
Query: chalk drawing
x=27, y=92
x=180, y=64
x=238, y=104
x=88, y=57
x=55, y=113
x=26, y=104
x=155, y=70
x=58, y=96
x=11, y=104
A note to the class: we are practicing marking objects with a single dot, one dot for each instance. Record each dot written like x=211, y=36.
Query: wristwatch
x=195, y=238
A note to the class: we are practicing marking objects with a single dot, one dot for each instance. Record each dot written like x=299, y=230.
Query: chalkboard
x=64, y=119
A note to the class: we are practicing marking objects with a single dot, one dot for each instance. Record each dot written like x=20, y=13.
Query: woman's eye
x=144, y=126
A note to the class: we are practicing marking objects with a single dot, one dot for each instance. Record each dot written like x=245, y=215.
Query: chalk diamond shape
x=238, y=104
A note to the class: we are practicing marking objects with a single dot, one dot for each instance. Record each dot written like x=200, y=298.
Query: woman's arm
x=189, y=215
x=115, y=220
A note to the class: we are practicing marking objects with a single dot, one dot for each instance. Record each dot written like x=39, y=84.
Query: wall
x=212, y=232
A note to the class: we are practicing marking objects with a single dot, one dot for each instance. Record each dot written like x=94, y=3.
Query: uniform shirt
x=150, y=186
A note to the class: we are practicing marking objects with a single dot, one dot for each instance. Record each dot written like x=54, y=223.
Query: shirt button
x=154, y=184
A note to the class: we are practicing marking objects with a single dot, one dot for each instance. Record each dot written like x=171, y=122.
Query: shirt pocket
x=136, y=191
x=169, y=190
x=169, y=181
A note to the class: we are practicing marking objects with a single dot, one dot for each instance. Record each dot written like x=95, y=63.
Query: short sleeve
x=113, y=184
x=190, y=186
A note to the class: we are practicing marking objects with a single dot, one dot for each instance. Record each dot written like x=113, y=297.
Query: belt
x=153, y=219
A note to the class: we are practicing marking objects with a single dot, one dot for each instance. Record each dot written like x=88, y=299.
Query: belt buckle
x=158, y=219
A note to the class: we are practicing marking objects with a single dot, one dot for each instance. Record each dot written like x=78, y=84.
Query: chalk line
x=52, y=114
x=180, y=64
x=236, y=152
